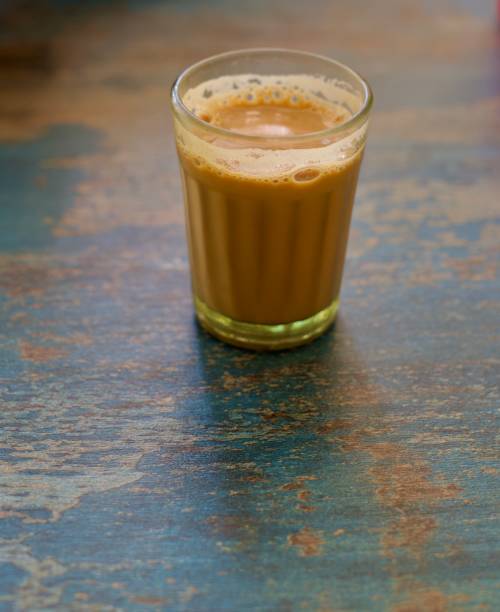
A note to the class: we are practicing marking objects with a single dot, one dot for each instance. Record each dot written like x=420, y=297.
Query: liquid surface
x=270, y=120
x=267, y=250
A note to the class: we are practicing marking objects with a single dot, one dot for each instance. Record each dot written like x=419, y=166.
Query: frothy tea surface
x=264, y=113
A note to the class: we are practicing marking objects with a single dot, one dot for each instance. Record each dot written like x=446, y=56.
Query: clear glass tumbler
x=268, y=213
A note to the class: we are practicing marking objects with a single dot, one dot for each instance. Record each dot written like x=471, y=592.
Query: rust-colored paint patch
x=292, y=486
x=403, y=483
x=81, y=596
x=305, y=508
x=29, y=276
x=308, y=541
x=298, y=483
x=77, y=339
x=409, y=532
x=230, y=526
x=431, y=601
x=333, y=425
x=39, y=354
x=187, y=595
x=489, y=470
x=479, y=268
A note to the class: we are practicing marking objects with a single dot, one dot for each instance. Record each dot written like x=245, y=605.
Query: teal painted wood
x=147, y=466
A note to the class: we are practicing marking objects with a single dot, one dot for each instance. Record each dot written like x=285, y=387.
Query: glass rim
x=358, y=119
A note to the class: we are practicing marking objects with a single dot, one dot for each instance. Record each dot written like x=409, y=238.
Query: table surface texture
x=145, y=465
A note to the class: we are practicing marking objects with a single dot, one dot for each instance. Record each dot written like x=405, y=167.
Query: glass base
x=262, y=337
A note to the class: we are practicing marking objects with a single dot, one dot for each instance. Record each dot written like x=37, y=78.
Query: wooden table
x=147, y=466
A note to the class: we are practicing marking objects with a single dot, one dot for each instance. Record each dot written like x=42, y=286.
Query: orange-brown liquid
x=268, y=251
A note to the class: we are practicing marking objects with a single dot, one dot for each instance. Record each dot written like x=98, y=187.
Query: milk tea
x=267, y=224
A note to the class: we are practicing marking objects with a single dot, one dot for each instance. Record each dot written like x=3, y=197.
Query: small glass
x=268, y=215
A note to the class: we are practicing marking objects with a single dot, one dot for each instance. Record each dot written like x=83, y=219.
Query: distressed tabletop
x=146, y=465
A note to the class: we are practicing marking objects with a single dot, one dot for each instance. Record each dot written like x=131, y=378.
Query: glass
x=268, y=214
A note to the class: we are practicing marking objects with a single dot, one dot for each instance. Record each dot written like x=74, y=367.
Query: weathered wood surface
x=147, y=466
